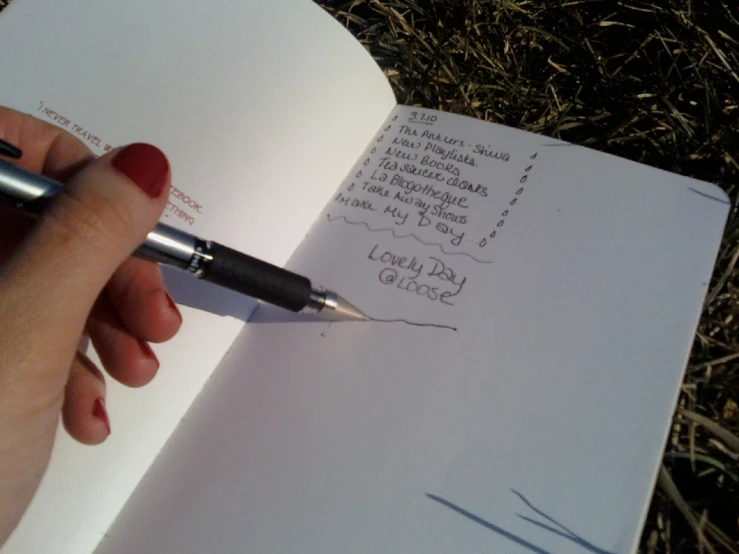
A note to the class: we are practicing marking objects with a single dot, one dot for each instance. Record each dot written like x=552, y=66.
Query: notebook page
x=557, y=293
x=262, y=108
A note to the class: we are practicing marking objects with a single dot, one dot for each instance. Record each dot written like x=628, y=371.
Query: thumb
x=99, y=218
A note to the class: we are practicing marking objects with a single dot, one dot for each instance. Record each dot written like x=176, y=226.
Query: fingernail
x=148, y=352
x=173, y=306
x=145, y=165
x=98, y=411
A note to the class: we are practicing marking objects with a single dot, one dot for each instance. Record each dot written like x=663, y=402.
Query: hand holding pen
x=67, y=274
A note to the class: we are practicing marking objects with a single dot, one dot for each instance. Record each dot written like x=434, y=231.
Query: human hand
x=67, y=276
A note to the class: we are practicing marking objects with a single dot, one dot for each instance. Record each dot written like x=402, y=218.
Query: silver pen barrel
x=213, y=262
x=170, y=246
x=164, y=244
x=20, y=190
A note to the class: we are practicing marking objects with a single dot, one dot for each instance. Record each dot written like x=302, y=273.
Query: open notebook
x=534, y=293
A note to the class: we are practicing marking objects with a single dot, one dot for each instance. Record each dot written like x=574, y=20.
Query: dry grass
x=655, y=82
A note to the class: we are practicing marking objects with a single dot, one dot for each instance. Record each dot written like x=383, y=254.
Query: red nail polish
x=148, y=352
x=145, y=165
x=173, y=306
x=98, y=411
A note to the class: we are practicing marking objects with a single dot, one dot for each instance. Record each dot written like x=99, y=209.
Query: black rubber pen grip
x=258, y=279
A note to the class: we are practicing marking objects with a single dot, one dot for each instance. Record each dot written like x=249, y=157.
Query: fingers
x=132, y=311
x=127, y=358
x=136, y=288
x=83, y=412
x=46, y=148
x=50, y=282
x=13, y=227
x=137, y=292
x=98, y=219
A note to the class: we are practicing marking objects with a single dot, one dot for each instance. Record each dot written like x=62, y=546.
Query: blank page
x=520, y=403
x=261, y=106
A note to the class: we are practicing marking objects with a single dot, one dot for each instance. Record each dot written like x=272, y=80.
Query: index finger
x=46, y=148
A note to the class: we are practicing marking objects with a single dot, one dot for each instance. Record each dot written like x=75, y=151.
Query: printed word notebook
x=528, y=293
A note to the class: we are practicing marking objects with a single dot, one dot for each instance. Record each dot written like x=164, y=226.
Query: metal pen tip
x=9, y=151
x=337, y=308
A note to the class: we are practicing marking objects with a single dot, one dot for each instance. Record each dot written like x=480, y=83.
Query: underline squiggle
x=437, y=325
x=413, y=323
x=371, y=230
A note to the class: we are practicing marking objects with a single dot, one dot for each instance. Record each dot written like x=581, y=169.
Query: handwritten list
x=447, y=193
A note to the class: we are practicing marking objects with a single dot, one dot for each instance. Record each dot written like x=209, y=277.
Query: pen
x=204, y=259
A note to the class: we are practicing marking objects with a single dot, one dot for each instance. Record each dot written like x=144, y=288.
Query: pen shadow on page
x=201, y=295
x=265, y=313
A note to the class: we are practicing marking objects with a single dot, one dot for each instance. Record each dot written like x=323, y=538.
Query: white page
x=558, y=384
x=261, y=106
